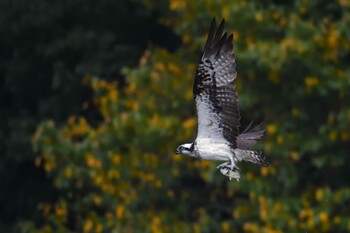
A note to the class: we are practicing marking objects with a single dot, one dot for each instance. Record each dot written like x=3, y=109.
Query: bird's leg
x=232, y=159
x=229, y=166
x=223, y=165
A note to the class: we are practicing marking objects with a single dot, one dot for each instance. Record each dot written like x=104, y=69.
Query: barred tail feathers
x=256, y=157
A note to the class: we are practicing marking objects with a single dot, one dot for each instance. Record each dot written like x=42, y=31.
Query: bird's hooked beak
x=177, y=151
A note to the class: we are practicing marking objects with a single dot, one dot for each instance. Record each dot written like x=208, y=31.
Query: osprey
x=218, y=136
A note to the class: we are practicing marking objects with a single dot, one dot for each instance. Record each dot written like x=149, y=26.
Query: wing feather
x=214, y=89
x=249, y=137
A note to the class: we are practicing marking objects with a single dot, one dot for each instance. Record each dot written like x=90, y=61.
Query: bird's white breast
x=213, y=150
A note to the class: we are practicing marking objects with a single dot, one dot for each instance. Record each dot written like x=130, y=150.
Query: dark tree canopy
x=47, y=48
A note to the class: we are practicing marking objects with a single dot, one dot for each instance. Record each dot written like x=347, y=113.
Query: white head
x=185, y=149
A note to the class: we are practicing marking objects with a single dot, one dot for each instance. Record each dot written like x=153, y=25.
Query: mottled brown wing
x=214, y=89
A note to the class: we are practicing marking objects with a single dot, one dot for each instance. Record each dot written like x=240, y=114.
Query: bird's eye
x=181, y=148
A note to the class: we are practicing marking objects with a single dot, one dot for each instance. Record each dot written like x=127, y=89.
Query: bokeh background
x=96, y=95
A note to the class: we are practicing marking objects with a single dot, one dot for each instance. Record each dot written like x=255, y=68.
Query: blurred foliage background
x=95, y=97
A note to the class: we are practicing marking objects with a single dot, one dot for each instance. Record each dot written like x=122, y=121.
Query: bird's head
x=185, y=149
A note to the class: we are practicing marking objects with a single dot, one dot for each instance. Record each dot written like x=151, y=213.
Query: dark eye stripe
x=192, y=147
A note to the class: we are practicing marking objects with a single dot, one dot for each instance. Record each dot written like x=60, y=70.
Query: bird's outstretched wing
x=214, y=89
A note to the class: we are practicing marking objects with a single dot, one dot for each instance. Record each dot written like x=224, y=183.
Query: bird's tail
x=248, y=138
x=256, y=157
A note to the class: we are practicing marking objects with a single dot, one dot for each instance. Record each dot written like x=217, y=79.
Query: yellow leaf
x=60, y=211
x=311, y=82
x=271, y=129
x=294, y=155
x=189, y=123
x=259, y=17
x=87, y=225
x=174, y=68
x=280, y=139
x=99, y=228
x=333, y=136
x=225, y=227
x=116, y=159
x=324, y=217
x=119, y=211
x=319, y=193
x=68, y=172
x=264, y=171
x=177, y=4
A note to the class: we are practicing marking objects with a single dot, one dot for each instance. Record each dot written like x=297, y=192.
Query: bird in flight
x=218, y=136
